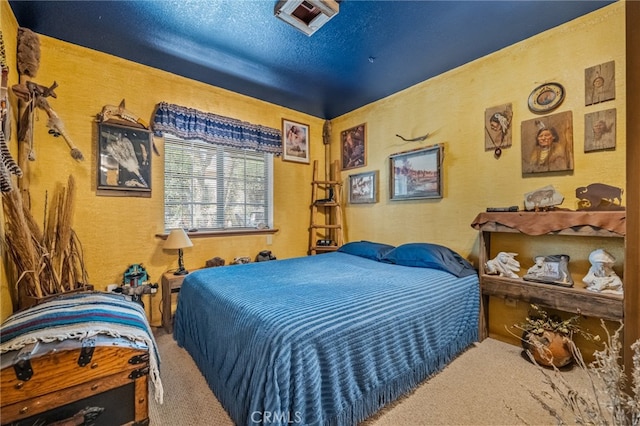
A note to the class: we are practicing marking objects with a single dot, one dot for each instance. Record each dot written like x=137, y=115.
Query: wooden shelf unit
x=568, y=299
x=330, y=227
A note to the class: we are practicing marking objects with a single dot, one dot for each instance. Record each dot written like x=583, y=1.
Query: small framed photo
x=363, y=188
x=353, y=144
x=295, y=141
x=124, y=158
x=416, y=174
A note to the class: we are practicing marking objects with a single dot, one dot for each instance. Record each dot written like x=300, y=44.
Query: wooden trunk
x=52, y=382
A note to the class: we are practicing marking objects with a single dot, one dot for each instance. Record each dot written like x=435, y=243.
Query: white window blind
x=211, y=187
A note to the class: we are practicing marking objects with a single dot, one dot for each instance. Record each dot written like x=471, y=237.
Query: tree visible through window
x=214, y=187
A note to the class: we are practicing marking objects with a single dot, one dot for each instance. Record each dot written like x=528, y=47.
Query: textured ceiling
x=370, y=50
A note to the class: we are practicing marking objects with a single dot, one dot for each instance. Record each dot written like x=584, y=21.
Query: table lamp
x=178, y=239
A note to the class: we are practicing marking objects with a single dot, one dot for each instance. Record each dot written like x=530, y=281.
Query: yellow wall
x=117, y=232
x=451, y=107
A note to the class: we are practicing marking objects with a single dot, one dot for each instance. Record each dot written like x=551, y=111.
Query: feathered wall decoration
x=28, y=52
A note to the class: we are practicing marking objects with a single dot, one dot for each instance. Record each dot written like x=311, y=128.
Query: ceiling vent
x=306, y=15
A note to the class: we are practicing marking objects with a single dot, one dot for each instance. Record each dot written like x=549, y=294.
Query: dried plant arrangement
x=549, y=338
x=608, y=402
x=47, y=261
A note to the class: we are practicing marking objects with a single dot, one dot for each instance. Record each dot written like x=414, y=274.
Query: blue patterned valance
x=189, y=123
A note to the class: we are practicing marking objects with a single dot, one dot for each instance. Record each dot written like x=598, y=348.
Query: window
x=210, y=187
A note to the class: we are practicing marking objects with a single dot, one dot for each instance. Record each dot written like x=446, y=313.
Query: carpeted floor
x=489, y=384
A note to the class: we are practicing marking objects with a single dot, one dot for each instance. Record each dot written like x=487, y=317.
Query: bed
x=327, y=339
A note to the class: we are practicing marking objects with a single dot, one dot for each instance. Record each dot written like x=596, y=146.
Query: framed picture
x=416, y=174
x=353, y=144
x=363, y=188
x=124, y=158
x=547, y=143
x=295, y=141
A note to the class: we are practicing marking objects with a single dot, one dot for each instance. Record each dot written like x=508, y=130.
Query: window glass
x=214, y=187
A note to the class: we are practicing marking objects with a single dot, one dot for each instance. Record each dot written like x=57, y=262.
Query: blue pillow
x=426, y=255
x=366, y=249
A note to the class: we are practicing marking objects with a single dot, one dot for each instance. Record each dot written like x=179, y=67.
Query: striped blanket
x=321, y=340
x=80, y=316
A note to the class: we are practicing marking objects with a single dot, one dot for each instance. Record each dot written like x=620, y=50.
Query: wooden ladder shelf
x=325, y=226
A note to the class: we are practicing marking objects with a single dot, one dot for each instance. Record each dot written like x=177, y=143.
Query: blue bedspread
x=321, y=340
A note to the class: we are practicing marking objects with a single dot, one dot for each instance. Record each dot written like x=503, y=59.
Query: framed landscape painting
x=416, y=174
x=295, y=141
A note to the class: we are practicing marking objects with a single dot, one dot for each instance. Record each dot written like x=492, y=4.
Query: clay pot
x=549, y=348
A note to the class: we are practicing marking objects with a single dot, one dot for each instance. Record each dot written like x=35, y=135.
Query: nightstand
x=170, y=284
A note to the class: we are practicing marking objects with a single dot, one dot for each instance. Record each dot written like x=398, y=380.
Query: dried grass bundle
x=608, y=403
x=50, y=261
x=20, y=243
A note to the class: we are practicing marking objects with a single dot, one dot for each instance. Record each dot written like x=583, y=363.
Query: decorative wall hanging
x=353, y=146
x=326, y=132
x=8, y=166
x=546, y=97
x=295, y=141
x=120, y=115
x=416, y=174
x=547, y=143
x=416, y=139
x=497, y=126
x=599, y=196
x=35, y=96
x=28, y=52
x=600, y=83
x=124, y=158
x=363, y=188
x=600, y=130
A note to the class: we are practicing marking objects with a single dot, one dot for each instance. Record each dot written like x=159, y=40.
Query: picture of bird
x=121, y=148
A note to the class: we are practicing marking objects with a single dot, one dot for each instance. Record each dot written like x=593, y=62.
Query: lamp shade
x=177, y=239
